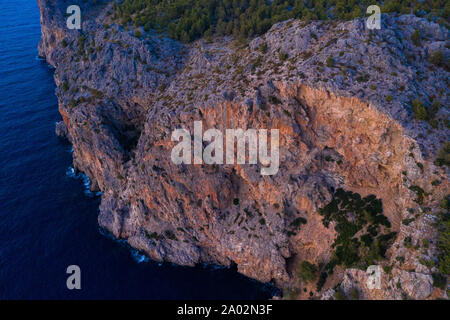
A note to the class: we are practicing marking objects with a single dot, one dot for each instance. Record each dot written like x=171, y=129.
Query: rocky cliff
x=341, y=97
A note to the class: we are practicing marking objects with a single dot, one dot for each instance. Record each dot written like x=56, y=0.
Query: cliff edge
x=344, y=101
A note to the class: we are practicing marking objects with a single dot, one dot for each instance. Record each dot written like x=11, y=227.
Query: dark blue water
x=47, y=222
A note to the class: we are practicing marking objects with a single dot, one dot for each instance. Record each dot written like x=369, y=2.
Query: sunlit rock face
x=121, y=98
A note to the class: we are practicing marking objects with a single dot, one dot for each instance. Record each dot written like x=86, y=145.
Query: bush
x=170, y=235
x=439, y=281
x=420, y=193
x=322, y=279
x=339, y=295
x=438, y=58
x=444, y=237
x=137, y=33
x=330, y=62
x=65, y=86
x=433, y=110
x=363, y=78
x=283, y=56
x=416, y=38
x=354, y=294
x=443, y=158
x=263, y=48
x=307, y=271
x=420, y=112
x=274, y=100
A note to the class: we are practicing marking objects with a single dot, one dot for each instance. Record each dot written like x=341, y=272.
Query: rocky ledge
x=345, y=101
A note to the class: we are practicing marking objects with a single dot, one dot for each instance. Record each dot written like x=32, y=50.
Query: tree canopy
x=188, y=20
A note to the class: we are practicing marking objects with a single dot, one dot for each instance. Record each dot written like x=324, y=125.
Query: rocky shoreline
x=340, y=96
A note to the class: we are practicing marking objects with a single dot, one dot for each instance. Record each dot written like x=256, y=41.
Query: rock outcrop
x=340, y=97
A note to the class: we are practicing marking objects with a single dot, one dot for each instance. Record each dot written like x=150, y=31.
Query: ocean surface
x=48, y=219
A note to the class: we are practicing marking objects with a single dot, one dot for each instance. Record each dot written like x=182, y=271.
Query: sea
x=48, y=217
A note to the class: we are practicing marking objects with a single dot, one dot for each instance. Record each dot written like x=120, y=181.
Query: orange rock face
x=120, y=113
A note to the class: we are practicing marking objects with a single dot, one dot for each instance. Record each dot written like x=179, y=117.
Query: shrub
x=322, y=279
x=339, y=295
x=387, y=269
x=263, y=48
x=407, y=221
x=170, y=235
x=439, y=281
x=389, y=98
x=283, y=56
x=65, y=86
x=354, y=294
x=64, y=43
x=137, y=33
x=443, y=243
x=443, y=158
x=274, y=100
x=428, y=263
x=420, y=193
x=433, y=109
x=307, y=271
x=299, y=221
x=420, y=112
x=330, y=62
x=438, y=58
x=363, y=78
x=416, y=38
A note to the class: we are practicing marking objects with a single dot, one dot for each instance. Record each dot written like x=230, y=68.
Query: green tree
x=420, y=112
x=307, y=271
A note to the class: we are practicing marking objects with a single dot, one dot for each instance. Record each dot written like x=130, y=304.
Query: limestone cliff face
x=121, y=97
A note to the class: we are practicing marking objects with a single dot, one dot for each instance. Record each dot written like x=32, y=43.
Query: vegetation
x=170, y=235
x=416, y=38
x=363, y=231
x=187, y=20
x=428, y=114
x=420, y=193
x=339, y=295
x=137, y=33
x=420, y=112
x=443, y=158
x=330, y=62
x=444, y=237
x=322, y=279
x=354, y=294
x=307, y=271
x=438, y=59
x=439, y=281
x=65, y=86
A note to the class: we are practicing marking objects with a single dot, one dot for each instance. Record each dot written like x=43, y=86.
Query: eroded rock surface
x=121, y=97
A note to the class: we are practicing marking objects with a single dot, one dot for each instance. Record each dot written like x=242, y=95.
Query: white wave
x=85, y=180
x=139, y=257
